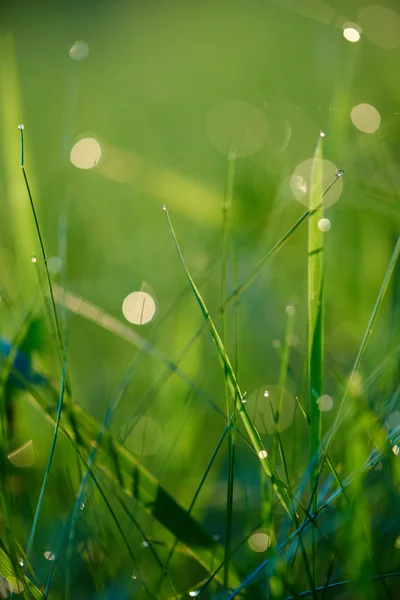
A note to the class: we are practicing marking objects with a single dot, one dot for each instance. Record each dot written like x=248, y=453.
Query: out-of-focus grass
x=141, y=500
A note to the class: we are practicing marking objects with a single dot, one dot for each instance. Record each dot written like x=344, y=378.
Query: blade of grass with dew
x=279, y=486
x=11, y=110
x=229, y=400
x=315, y=318
x=57, y=328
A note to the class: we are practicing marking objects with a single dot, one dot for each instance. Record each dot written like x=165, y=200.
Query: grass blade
x=229, y=403
x=315, y=318
x=279, y=486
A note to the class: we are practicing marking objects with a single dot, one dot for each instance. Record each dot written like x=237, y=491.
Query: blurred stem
x=230, y=404
x=315, y=320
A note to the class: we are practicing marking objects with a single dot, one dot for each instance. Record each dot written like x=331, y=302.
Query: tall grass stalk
x=229, y=401
x=315, y=317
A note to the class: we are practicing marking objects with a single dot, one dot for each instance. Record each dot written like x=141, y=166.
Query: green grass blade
x=279, y=486
x=49, y=463
x=7, y=571
x=315, y=318
x=229, y=402
x=315, y=300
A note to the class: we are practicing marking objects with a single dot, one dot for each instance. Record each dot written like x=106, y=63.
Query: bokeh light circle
x=260, y=540
x=325, y=403
x=300, y=182
x=79, y=50
x=366, y=118
x=237, y=127
x=351, y=33
x=86, y=153
x=139, y=308
x=54, y=264
x=261, y=407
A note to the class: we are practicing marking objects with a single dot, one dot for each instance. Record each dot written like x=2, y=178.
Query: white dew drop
x=396, y=450
x=324, y=225
x=351, y=33
x=49, y=555
x=262, y=454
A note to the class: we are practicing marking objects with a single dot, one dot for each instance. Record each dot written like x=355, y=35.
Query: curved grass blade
x=279, y=486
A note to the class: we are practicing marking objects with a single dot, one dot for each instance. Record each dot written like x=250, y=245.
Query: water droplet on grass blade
x=324, y=225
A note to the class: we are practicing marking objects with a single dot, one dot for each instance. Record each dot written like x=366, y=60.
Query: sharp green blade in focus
x=315, y=298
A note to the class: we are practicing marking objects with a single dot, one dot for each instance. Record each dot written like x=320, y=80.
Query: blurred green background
x=156, y=91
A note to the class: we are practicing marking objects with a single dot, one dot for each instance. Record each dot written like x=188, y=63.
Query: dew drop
x=33, y=259
x=266, y=394
x=145, y=544
x=339, y=172
x=21, y=127
x=262, y=454
x=82, y=505
x=322, y=134
x=164, y=207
